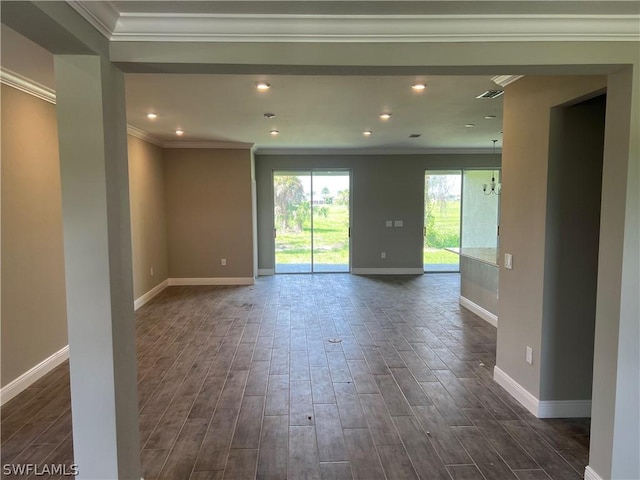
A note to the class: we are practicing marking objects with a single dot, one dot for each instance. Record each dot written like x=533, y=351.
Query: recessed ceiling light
x=274, y=132
x=418, y=87
x=269, y=115
x=179, y=132
x=263, y=86
x=367, y=133
x=385, y=116
x=470, y=125
x=152, y=116
x=490, y=117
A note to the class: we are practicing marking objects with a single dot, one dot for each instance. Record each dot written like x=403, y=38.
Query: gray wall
x=148, y=218
x=209, y=212
x=571, y=253
x=34, y=313
x=32, y=248
x=383, y=187
x=525, y=158
x=479, y=283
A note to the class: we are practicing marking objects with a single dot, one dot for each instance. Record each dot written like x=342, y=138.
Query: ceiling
x=317, y=111
x=325, y=111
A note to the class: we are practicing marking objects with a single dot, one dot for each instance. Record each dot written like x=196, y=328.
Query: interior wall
x=384, y=187
x=209, y=212
x=574, y=188
x=525, y=155
x=615, y=417
x=479, y=283
x=148, y=217
x=34, y=316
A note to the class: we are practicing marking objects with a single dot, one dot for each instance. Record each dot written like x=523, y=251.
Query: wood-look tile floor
x=247, y=382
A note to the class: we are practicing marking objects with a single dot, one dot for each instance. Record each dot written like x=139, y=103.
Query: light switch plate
x=529, y=355
x=398, y=223
x=508, y=261
x=389, y=223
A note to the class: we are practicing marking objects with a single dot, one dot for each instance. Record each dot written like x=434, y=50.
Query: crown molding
x=504, y=80
x=225, y=145
x=376, y=151
x=182, y=27
x=47, y=94
x=27, y=85
x=103, y=16
x=142, y=135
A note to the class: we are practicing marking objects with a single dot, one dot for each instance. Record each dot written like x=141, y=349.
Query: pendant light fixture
x=493, y=187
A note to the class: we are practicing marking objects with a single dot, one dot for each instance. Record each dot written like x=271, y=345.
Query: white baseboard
x=517, y=391
x=387, y=271
x=542, y=408
x=34, y=374
x=564, y=409
x=263, y=272
x=150, y=294
x=590, y=474
x=478, y=310
x=213, y=281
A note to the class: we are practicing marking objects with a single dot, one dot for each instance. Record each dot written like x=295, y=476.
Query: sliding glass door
x=442, y=203
x=292, y=221
x=461, y=211
x=311, y=221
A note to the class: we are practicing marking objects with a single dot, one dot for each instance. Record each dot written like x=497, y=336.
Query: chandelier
x=494, y=187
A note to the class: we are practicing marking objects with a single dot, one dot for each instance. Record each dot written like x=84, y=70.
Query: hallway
x=314, y=376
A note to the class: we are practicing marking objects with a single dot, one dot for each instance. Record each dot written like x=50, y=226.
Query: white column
x=97, y=246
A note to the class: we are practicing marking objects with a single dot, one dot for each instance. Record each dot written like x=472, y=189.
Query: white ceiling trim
x=504, y=80
x=102, y=15
x=376, y=151
x=47, y=94
x=142, y=135
x=225, y=145
x=328, y=28
x=181, y=27
x=26, y=85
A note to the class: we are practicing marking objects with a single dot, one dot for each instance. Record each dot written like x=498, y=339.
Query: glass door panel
x=442, y=200
x=480, y=213
x=311, y=221
x=330, y=199
x=292, y=222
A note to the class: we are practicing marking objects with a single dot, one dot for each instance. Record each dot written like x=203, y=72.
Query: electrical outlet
x=528, y=356
x=223, y=262
x=151, y=271
x=383, y=255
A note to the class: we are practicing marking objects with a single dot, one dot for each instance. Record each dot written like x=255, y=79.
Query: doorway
x=312, y=221
x=574, y=187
